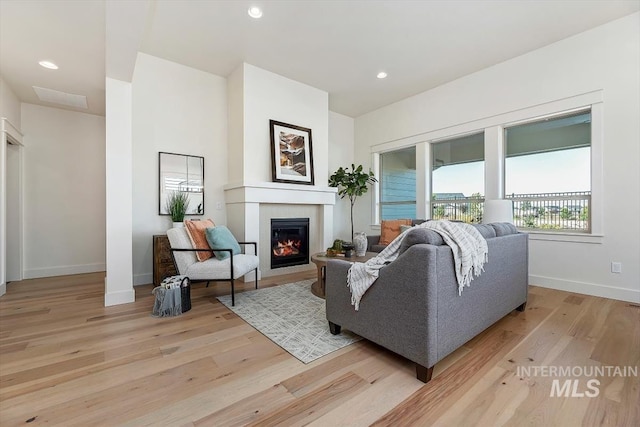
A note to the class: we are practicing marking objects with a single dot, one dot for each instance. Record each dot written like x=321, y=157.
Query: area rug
x=292, y=317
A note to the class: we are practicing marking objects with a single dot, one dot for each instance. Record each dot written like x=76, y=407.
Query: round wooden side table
x=320, y=260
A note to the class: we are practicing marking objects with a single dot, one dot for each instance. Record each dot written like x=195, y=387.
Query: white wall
x=255, y=97
x=9, y=105
x=64, y=191
x=269, y=96
x=606, y=58
x=341, y=142
x=235, y=147
x=180, y=110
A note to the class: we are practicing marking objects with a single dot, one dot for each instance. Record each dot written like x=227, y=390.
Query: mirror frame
x=192, y=190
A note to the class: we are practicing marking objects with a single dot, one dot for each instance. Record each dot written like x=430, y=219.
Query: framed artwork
x=291, y=153
x=183, y=174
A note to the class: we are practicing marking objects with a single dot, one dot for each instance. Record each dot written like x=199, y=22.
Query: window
x=548, y=172
x=457, y=178
x=398, y=184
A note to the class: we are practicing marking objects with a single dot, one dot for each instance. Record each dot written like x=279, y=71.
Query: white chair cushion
x=214, y=268
x=179, y=239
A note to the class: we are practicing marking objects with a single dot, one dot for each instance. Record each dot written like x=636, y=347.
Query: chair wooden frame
x=231, y=279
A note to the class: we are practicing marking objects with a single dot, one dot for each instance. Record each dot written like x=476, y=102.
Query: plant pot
x=348, y=249
x=178, y=224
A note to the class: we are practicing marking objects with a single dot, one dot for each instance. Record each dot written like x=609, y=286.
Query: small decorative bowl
x=348, y=249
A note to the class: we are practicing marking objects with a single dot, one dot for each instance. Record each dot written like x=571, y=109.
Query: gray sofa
x=414, y=309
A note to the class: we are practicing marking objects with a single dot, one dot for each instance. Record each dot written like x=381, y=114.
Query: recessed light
x=48, y=64
x=382, y=75
x=255, y=12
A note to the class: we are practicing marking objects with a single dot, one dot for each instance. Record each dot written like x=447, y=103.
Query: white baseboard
x=622, y=294
x=120, y=297
x=35, y=273
x=251, y=276
x=3, y=289
x=268, y=272
x=142, y=279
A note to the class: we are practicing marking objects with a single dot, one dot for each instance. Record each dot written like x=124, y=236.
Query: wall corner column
x=119, y=193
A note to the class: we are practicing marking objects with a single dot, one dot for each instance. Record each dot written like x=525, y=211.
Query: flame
x=287, y=248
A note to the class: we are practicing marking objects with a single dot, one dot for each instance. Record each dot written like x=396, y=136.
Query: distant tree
x=565, y=214
x=584, y=215
x=475, y=208
x=530, y=221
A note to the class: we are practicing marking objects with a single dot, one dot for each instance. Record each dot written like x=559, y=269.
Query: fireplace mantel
x=249, y=207
x=272, y=192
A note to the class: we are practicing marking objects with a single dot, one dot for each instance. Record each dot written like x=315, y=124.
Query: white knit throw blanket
x=469, y=253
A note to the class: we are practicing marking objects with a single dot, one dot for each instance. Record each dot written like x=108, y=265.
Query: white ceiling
x=336, y=46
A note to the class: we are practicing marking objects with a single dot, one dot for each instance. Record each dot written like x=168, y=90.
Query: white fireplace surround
x=249, y=206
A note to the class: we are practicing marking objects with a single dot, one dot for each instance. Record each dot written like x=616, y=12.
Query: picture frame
x=182, y=173
x=291, y=153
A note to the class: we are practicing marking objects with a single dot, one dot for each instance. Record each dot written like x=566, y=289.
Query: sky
x=558, y=171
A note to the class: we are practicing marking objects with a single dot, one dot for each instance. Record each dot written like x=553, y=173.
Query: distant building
x=448, y=196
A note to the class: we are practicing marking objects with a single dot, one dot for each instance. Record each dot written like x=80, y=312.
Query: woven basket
x=185, y=290
x=185, y=293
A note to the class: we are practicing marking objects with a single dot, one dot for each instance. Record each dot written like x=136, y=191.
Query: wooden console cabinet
x=162, y=261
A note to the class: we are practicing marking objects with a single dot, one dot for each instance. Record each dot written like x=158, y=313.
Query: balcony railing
x=570, y=211
x=466, y=209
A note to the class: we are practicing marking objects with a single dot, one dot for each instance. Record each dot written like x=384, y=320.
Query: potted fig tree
x=352, y=183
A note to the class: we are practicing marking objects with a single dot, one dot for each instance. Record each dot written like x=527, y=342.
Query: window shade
x=466, y=149
x=552, y=134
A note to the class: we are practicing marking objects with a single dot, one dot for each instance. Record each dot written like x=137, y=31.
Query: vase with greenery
x=351, y=183
x=177, y=204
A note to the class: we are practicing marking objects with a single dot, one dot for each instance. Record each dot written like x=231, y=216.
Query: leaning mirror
x=179, y=172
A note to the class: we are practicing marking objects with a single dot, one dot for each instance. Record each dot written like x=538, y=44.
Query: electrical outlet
x=219, y=206
x=616, y=267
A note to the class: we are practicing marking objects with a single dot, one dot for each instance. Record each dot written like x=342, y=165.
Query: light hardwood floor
x=67, y=360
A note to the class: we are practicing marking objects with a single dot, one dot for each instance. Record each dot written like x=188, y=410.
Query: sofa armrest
x=398, y=312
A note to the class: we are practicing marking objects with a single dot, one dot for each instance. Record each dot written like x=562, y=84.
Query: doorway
x=11, y=209
x=13, y=203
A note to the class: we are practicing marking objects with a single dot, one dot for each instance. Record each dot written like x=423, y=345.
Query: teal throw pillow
x=221, y=238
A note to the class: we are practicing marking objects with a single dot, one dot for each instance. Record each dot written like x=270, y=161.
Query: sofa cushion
x=221, y=238
x=196, y=231
x=390, y=229
x=504, y=228
x=486, y=230
x=404, y=228
x=417, y=236
x=376, y=248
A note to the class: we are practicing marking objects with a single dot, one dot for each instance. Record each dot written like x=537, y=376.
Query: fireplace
x=289, y=242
